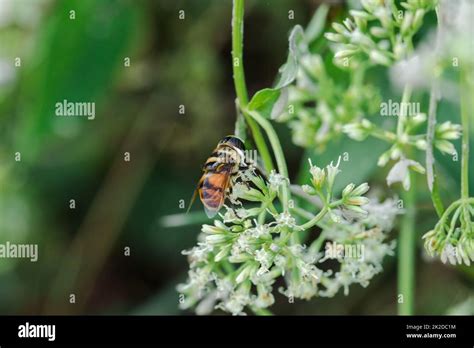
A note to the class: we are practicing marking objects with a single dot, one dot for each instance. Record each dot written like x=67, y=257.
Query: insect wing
x=213, y=191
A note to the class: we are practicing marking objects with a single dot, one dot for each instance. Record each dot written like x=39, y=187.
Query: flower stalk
x=406, y=255
x=407, y=237
x=277, y=151
x=239, y=82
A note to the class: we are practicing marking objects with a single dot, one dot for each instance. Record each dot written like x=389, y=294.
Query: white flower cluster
x=453, y=236
x=369, y=234
x=380, y=32
x=237, y=261
x=320, y=103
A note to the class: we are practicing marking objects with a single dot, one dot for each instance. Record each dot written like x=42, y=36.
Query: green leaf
x=263, y=98
x=289, y=70
x=317, y=23
x=269, y=102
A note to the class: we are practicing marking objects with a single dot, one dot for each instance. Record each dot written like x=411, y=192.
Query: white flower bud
x=348, y=189
x=407, y=22
x=349, y=24
x=356, y=200
x=215, y=239
x=339, y=28
x=318, y=175
x=378, y=57
x=379, y=32
x=448, y=131
x=332, y=171
x=383, y=159
x=244, y=274
x=334, y=37
x=421, y=144
x=361, y=189
x=417, y=20
x=344, y=54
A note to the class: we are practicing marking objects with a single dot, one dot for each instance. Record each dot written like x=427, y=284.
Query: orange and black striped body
x=224, y=162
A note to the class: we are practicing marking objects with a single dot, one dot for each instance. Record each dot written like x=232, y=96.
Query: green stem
x=277, y=151
x=314, y=220
x=383, y=135
x=430, y=133
x=304, y=214
x=261, y=311
x=465, y=107
x=237, y=51
x=406, y=239
x=318, y=243
x=239, y=81
x=430, y=168
x=403, y=108
x=406, y=254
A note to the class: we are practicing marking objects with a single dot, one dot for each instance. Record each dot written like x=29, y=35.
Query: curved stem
x=277, y=151
x=302, y=213
x=314, y=220
x=239, y=81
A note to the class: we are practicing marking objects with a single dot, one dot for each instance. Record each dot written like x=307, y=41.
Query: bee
x=220, y=169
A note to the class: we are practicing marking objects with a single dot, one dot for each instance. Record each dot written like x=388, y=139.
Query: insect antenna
x=193, y=198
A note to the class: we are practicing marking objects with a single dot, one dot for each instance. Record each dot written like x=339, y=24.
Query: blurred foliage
x=118, y=204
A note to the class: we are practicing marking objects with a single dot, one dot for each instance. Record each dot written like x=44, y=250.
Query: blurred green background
x=173, y=62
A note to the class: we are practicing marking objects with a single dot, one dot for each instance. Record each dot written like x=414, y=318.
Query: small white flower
x=236, y=302
x=297, y=250
x=229, y=215
x=224, y=287
x=263, y=257
x=198, y=253
x=280, y=261
x=260, y=230
x=206, y=306
x=285, y=219
x=265, y=297
x=276, y=180
x=332, y=170
x=399, y=172
x=382, y=214
x=243, y=241
x=449, y=253
x=309, y=272
x=318, y=175
x=245, y=273
x=331, y=286
x=198, y=280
